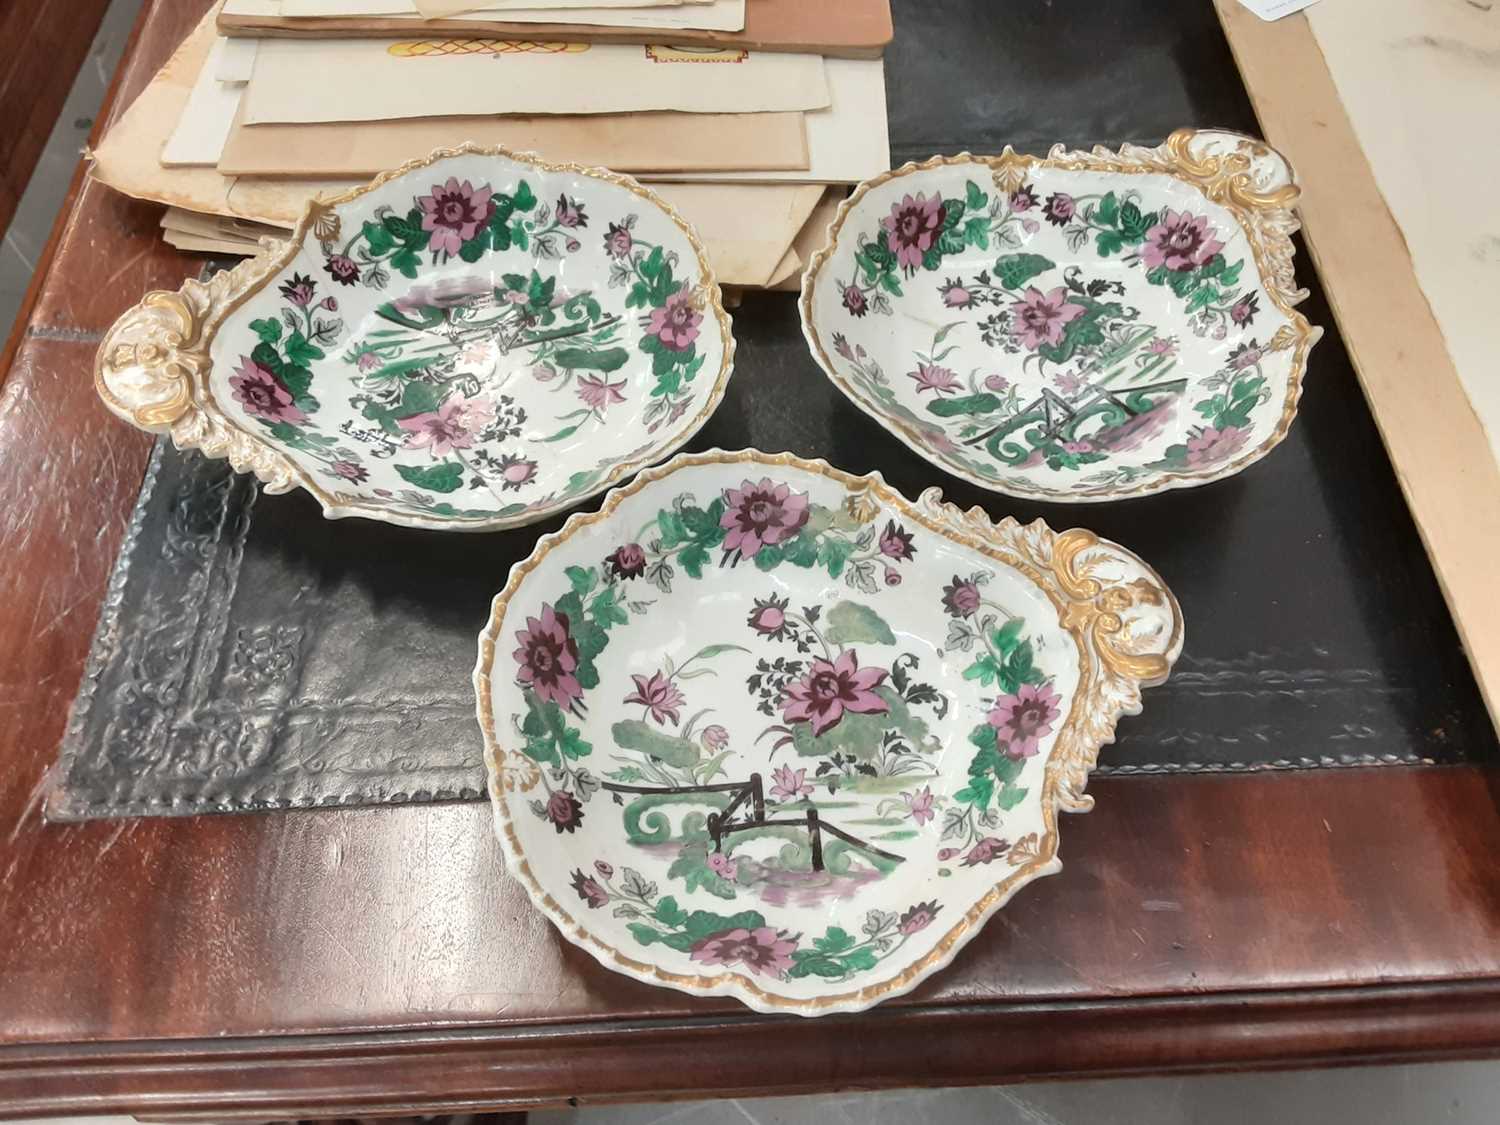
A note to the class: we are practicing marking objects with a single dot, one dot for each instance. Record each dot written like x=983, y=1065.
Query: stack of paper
x=752, y=145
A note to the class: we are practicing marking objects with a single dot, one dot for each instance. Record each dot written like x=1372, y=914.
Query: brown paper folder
x=632, y=142
x=850, y=29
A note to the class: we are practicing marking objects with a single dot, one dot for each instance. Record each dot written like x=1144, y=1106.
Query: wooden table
x=337, y=962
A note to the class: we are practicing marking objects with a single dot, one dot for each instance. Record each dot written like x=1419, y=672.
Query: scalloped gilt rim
x=1266, y=219
x=160, y=349
x=1114, y=664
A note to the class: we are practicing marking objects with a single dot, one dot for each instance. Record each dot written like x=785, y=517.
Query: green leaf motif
x=633, y=734
x=378, y=239
x=610, y=359
x=445, y=477
x=582, y=580
x=524, y=198
x=1108, y=210
x=300, y=351
x=269, y=329
x=1014, y=270
x=852, y=623
x=981, y=403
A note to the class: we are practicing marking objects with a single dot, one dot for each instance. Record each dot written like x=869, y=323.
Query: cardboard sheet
x=714, y=15
x=858, y=29
x=374, y=80
x=847, y=142
x=636, y=142
x=747, y=228
x=204, y=122
x=1421, y=85
x=438, y=9
x=810, y=239
x=236, y=60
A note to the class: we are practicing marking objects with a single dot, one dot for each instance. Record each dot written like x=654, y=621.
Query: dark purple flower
x=895, y=542
x=628, y=561
x=1023, y=718
x=454, y=212
x=892, y=576
x=841, y=345
x=515, y=472
x=832, y=687
x=961, y=597
x=1243, y=311
x=262, y=394
x=604, y=870
x=1210, y=446
x=570, y=213
x=547, y=659
x=1181, y=241
x=764, y=951
x=1245, y=356
x=854, y=300
x=299, y=290
x=573, y=246
x=618, y=241
x=675, y=324
x=659, y=695
x=1059, y=209
x=986, y=850
x=1023, y=198
x=351, y=471
x=913, y=227
x=919, y=917
x=954, y=295
x=564, y=811
x=758, y=515
x=768, y=618
x=330, y=303
x=588, y=888
x=342, y=269
x=714, y=737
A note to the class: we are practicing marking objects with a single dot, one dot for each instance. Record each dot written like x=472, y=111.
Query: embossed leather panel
x=252, y=655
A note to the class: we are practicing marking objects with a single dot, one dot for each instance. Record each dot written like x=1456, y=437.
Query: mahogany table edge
x=614, y=1061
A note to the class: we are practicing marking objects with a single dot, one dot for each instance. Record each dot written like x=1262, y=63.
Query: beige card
x=236, y=60
x=810, y=239
x=376, y=79
x=746, y=227
x=204, y=123
x=220, y=226
x=714, y=15
x=847, y=142
x=632, y=142
x=440, y=9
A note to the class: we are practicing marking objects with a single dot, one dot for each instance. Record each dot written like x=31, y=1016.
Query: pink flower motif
x=960, y=597
x=1077, y=447
x=598, y=392
x=618, y=241
x=1210, y=446
x=262, y=394
x=351, y=471
x=892, y=576
x=997, y=383
x=659, y=696
x=479, y=352
x=330, y=303
x=945, y=854
x=895, y=542
x=299, y=290
x=764, y=951
x=1068, y=383
x=1039, y=318
x=1023, y=198
x=454, y=212
x=789, y=784
x=449, y=293
x=589, y=890
x=954, y=295
x=841, y=345
x=1060, y=208
x=855, y=301
x=1162, y=345
x=368, y=361
x=548, y=658
x=919, y=804
x=451, y=426
x=1245, y=356
x=605, y=870
x=570, y=213
x=714, y=738
x=1181, y=241
x=1243, y=311
x=722, y=866
x=515, y=472
x=912, y=227
x=918, y=918
x=768, y=618
x=1023, y=718
x=564, y=811
x=931, y=377
x=342, y=269
x=1030, y=226
x=675, y=324
x=759, y=515
x=986, y=850
x=832, y=687
x=626, y=561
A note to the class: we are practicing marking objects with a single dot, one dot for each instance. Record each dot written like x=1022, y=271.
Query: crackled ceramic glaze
x=1081, y=327
x=759, y=727
x=477, y=340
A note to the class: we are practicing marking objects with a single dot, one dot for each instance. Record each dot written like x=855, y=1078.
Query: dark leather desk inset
x=340, y=961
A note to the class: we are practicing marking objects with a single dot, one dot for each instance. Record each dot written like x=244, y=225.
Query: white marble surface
x=1420, y=80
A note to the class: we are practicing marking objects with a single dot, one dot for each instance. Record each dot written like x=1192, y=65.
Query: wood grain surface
x=352, y=961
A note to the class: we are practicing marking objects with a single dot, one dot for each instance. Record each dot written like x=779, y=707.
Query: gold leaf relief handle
x=153, y=365
x=1234, y=168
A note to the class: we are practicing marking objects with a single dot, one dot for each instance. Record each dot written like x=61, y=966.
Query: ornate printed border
x=152, y=367
x=1245, y=176
x=1070, y=568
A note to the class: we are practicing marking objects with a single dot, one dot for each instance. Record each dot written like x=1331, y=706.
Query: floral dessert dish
x=764, y=729
x=1084, y=326
x=475, y=340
